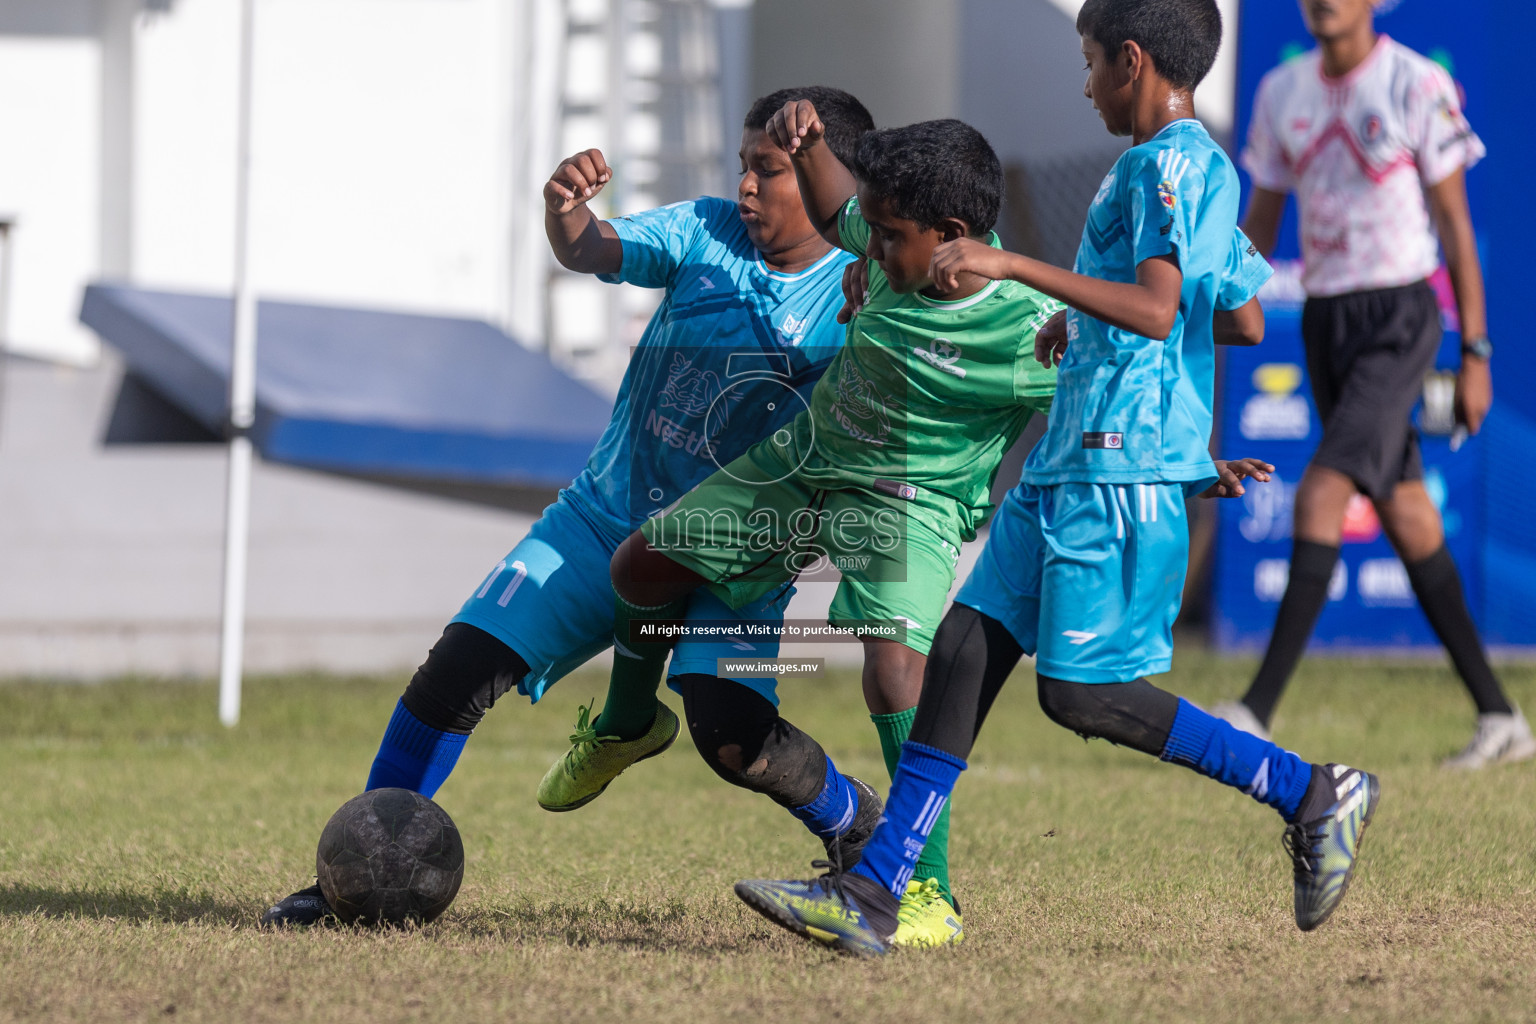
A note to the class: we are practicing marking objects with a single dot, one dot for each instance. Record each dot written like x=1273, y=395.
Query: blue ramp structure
x=445, y=402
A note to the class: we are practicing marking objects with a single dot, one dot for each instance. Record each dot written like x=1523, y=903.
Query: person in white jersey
x=1370, y=137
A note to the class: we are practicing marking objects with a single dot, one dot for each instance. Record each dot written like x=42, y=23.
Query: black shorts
x=1367, y=354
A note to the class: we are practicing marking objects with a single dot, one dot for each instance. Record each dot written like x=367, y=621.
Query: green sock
x=630, y=707
x=934, y=863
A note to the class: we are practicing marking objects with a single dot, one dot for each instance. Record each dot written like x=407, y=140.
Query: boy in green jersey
x=889, y=470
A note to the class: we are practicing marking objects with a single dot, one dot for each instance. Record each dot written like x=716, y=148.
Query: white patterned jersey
x=1359, y=151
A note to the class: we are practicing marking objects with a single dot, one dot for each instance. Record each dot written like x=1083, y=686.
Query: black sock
x=1438, y=587
x=1305, y=594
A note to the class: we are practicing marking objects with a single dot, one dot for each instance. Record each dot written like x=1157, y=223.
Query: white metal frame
x=242, y=399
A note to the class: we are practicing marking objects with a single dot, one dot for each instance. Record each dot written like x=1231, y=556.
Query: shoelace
x=831, y=877
x=1301, y=844
x=585, y=741
x=919, y=901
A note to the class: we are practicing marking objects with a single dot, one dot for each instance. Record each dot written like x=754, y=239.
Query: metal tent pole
x=242, y=399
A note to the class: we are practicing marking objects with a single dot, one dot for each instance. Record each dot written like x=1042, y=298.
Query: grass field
x=139, y=841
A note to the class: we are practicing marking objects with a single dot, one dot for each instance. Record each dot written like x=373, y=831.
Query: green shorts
x=769, y=516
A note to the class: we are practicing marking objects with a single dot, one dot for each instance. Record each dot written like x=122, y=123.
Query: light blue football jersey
x=729, y=357
x=1129, y=409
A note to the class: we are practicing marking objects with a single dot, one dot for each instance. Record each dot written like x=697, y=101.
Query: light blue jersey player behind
x=726, y=360
x=1085, y=561
x=747, y=324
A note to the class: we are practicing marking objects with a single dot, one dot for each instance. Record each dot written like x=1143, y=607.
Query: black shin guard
x=463, y=675
x=1135, y=714
x=741, y=736
x=971, y=658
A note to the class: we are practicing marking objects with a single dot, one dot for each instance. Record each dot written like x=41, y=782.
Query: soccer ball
x=389, y=856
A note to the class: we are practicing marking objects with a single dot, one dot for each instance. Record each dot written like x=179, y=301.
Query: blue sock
x=833, y=811
x=1271, y=775
x=414, y=756
x=925, y=776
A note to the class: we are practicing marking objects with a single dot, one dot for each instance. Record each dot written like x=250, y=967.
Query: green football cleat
x=593, y=761
x=925, y=918
x=1323, y=849
x=846, y=912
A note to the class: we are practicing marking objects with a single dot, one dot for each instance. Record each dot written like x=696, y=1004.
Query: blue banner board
x=1267, y=410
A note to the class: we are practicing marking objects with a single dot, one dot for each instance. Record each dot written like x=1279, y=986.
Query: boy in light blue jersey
x=747, y=325
x=1084, y=566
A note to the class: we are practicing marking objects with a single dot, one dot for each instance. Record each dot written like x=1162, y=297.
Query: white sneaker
x=1500, y=738
x=1237, y=714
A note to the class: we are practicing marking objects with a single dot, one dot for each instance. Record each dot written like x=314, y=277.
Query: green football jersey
x=925, y=392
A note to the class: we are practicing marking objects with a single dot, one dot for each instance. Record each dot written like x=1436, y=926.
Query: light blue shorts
x=1087, y=577
x=551, y=601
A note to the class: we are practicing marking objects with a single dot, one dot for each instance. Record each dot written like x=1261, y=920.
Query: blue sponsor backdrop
x=1485, y=490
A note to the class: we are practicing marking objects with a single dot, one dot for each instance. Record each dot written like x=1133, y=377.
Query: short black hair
x=842, y=115
x=932, y=170
x=1182, y=36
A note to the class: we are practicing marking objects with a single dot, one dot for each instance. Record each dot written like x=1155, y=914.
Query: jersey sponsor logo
x=792, y=330
x=694, y=392
x=897, y=489
x=1104, y=188
x=677, y=435
x=1078, y=636
x=941, y=354
x=1165, y=195
x=689, y=389
x=705, y=283
x=1371, y=128
x=1099, y=439
x=860, y=408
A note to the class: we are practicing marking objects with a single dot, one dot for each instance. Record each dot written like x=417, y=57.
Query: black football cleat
x=299, y=910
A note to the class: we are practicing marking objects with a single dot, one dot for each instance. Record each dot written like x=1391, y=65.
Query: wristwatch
x=1480, y=348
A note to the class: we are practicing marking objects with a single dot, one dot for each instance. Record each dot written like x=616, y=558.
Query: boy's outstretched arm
x=1241, y=326
x=581, y=241
x=1148, y=307
x=825, y=184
